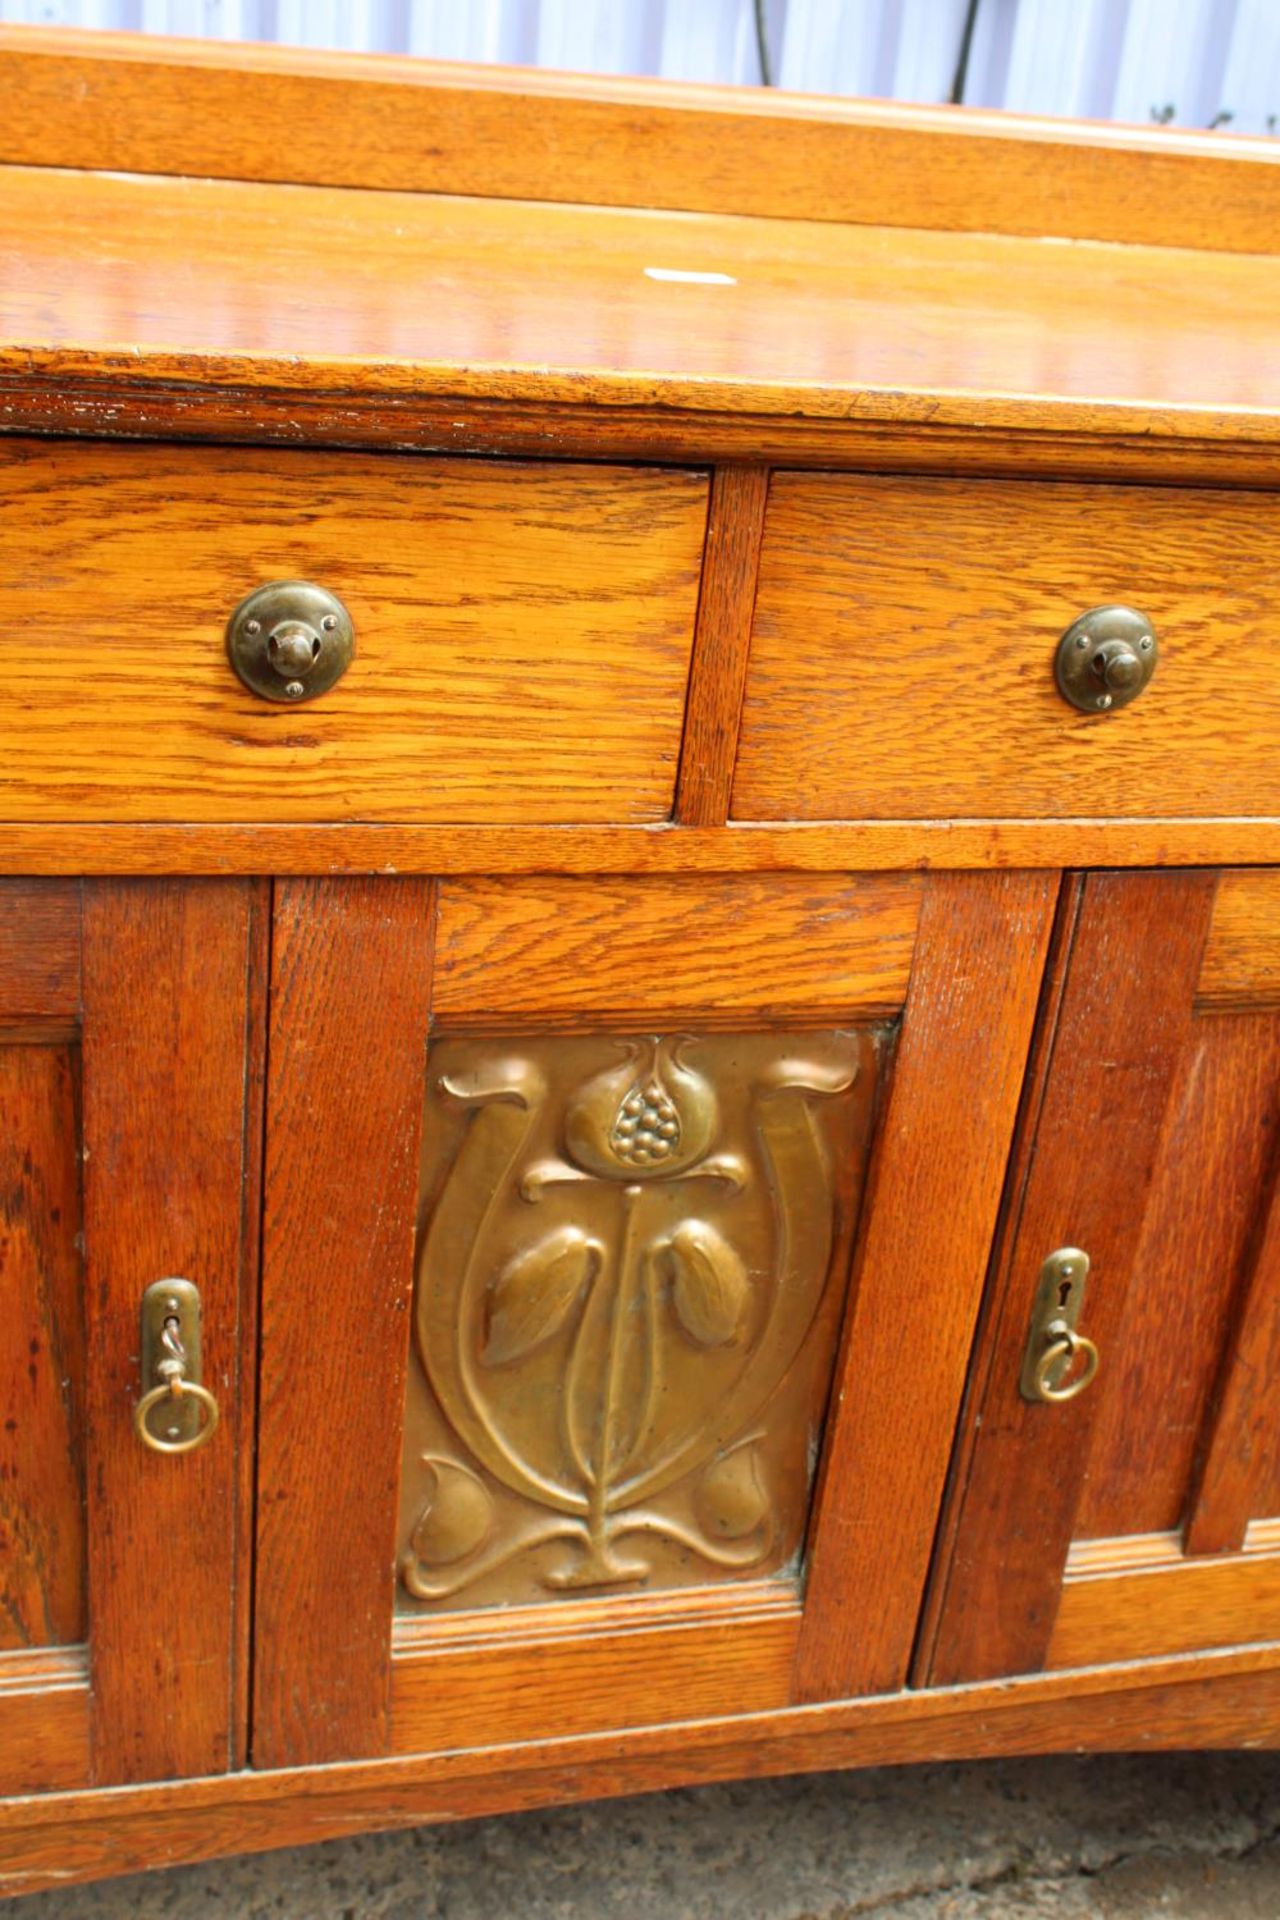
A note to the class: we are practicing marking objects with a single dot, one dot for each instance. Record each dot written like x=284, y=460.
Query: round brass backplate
x=1105, y=659
x=290, y=641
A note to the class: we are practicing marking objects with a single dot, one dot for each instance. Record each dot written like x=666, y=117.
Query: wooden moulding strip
x=130, y=103
x=62, y=392
x=1210, y=1700
x=157, y=847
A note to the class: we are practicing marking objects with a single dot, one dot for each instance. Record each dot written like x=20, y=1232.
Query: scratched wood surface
x=522, y=636
x=519, y=305
x=903, y=657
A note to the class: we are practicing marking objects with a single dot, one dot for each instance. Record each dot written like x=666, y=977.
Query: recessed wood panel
x=42, y=1340
x=1164, y=1604
x=610, y=1671
x=1241, y=966
x=905, y=632
x=1207, y=1193
x=721, y=946
x=522, y=636
x=39, y=947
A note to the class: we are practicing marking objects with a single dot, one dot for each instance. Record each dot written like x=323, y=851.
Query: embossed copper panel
x=631, y=1268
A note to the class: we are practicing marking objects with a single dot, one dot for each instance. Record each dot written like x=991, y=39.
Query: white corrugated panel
x=1195, y=62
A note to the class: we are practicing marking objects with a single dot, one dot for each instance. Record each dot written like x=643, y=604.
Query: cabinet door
x=128, y=1016
x=570, y=1417
x=1142, y=1517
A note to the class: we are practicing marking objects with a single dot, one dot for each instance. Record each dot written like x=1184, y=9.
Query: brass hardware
x=290, y=641
x=171, y=1358
x=630, y=1277
x=1053, y=1345
x=1105, y=659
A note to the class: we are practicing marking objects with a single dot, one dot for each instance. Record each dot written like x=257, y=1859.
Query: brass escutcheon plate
x=290, y=641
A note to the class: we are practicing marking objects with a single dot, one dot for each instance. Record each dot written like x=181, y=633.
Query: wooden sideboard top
x=364, y=250
x=496, y=322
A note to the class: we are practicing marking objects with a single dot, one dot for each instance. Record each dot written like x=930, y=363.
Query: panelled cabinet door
x=572, y=1415
x=130, y=1017
x=1141, y=1517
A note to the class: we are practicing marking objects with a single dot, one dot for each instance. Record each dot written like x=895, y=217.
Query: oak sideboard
x=640, y=952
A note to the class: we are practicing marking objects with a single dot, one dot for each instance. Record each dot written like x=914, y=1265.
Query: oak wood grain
x=522, y=636
x=889, y=432
x=1191, y=1263
x=722, y=641
x=350, y=980
x=166, y=995
x=635, y=948
x=1238, y=1473
x=42, y=1336
x=903, y=656
x=982, y=1358
x=44, y=1722
x=1167, y=1609
x=39, y=949
x=1123, y=1024
x=1241, y=958
x=929, y=1214
x=173, y=106
x=1225, y=1699
x=507, y=305
x=880, y=846
x=507, y=1688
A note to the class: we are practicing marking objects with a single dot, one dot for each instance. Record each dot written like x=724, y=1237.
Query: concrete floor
x=1191, y=1837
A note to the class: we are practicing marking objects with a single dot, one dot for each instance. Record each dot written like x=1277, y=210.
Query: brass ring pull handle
x=1105, y=659
x=171, y=1362
x=1058, y=1362
x=1069, y=1346
x=176, y=1389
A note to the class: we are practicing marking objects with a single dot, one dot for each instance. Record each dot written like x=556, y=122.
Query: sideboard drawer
x=522, y=635
x=902, y=660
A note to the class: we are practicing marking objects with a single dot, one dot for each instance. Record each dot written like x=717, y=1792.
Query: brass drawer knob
x=1105, y=659
x=290, y=641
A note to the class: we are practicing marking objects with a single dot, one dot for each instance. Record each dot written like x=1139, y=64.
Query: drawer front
x=522, y=636
x=902, y=660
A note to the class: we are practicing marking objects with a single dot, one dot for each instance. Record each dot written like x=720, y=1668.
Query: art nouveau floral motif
x=626, y=1307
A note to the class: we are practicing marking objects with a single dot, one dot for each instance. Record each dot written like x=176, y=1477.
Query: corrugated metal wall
x=1195, y=63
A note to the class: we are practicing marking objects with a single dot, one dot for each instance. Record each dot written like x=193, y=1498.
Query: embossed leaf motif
x=456, y=1519
x=535, y=1293
x=709, y=1283
x=731, y=1500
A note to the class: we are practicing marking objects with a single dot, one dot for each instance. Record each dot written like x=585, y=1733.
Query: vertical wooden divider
x=351, y=976
x=930, y=1211
x=721, y=644
x=166, y=1033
